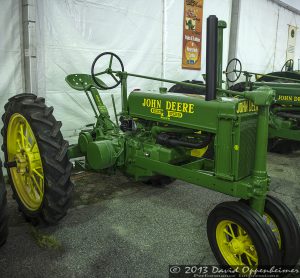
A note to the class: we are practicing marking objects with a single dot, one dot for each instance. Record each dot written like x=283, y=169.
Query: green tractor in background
x=284, y=126
x=287, y=74
x=160, y=136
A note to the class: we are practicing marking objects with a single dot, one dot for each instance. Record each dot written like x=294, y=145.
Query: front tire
x=285, y=228
x=36, y=156
x=239, y=237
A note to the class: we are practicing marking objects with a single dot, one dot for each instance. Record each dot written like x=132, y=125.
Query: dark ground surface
x=119, y=228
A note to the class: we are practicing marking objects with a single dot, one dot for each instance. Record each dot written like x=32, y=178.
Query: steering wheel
x=288, y=65
x=237, y=69
x=108, y=71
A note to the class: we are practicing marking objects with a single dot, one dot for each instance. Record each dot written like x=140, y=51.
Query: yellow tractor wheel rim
x=28, y=175
x=235, y=245
x=272, y=224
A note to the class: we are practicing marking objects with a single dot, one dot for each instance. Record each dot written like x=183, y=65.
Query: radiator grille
x=246, y=146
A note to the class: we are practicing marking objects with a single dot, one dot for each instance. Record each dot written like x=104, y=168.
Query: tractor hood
x=190, y=111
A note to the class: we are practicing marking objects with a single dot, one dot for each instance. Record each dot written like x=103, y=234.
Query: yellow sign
x=171, y=109
x=192, y=32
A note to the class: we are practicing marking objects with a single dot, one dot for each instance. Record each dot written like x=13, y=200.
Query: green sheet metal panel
x=285, y=93
x=190, y=111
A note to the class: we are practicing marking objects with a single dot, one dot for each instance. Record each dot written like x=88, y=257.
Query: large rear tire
x=3, y=210
x=36, y=157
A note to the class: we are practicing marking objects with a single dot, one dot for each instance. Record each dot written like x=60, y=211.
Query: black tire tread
x=289, y=228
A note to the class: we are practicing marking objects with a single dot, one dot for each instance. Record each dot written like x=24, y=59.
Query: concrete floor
x=118, y=228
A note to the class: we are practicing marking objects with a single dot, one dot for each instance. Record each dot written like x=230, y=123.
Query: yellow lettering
x=296, y=98
x=191, y=108
x=179, y=106
x=185, y=107
x=158, y=104
x=285, y=98
x=168, y=105
x=173, y=105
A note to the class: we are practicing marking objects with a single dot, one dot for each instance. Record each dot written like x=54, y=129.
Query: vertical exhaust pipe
x=211, y=57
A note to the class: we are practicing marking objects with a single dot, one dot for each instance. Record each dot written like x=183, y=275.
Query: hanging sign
x=291, y=45
x=192, y=34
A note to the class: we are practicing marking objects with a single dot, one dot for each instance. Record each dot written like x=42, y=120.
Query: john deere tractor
x=161, y=136
x=287, y=74
x=284, y=127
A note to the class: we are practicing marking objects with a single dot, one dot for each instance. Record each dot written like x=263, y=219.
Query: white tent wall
x=10, y=51
x=262, y=35
x=73, y=32
x=11, y=81
x=173, y=37
x=286, y=18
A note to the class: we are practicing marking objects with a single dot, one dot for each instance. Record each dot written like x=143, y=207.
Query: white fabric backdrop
x=10, y=51
x=261, y=41
x=10, y=54
x=73, y=32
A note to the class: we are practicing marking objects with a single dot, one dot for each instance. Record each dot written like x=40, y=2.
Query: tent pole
x=29, y=45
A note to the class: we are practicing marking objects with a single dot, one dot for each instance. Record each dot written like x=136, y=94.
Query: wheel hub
x=237, y=246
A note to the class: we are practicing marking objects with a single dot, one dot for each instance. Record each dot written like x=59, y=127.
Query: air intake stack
x=211, y=57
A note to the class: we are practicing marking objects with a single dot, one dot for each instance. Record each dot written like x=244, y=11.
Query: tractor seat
x=82, y=82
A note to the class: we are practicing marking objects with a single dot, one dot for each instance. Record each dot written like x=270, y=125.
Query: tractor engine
x=180, y=129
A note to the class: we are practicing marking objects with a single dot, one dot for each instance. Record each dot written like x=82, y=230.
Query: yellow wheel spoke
x=226, y=232
x=240, y=259
x=251, y=256
x=230, y=227
x=19, y=144
x=272, y=224
x=249, y=261
x=33, y=145
x=29, y=184
x=21, y=132
x=241, y=232
x=40, y=176
x=37, y=185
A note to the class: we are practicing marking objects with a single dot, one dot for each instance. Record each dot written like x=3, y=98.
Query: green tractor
x=287, y=74
x=160, y=136
x=284, y=125
x=3, y=209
